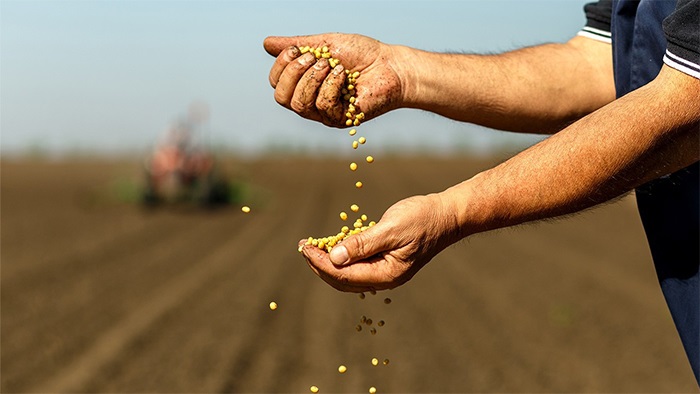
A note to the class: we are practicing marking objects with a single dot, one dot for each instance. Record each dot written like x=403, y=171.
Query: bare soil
x=101, y=295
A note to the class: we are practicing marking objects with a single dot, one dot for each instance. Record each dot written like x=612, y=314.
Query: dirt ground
x=100, y=295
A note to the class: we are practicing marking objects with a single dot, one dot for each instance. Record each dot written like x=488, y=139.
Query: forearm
x=538, y=89
x=648, y=133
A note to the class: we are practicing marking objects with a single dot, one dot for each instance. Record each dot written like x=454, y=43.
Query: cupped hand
x=388, y=254
x=312, y=89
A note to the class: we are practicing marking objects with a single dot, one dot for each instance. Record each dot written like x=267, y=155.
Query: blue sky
x=110, y=76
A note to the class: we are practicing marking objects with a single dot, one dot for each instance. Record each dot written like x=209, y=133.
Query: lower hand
x=388, y=254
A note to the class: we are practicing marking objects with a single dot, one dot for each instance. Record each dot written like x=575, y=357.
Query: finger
x=316, y=258
x=274, y=45
x=281, y=63
x=304, y=99
x=373, y=274
x=329, y=102
x=290, y=77
x=364, y=245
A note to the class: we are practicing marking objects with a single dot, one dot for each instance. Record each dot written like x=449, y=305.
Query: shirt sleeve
x=682, y=30
x=598, y=16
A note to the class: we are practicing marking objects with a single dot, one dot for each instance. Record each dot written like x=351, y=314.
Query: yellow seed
x=351, y=87
x=372, y=223
x=326, y=55
x=324, y=49
x=348, y=122
x=355, y=144
x=354, y=207
x=352, y=100
x=358, y=184
x=245, y=209
x=363, y=217
x=372, y=390
x=348, y=115
x=387, y=300
x=314, y=242
x=342, y=369
x=308, y=241
x=361, y=115
x=357, y=225
x=353, y=166
x=356, y=122
x=356, y=74
x=351, y=108
x=314, y=389
x=375, y=361
x=362, y=140
x=380, y=323
x=273, y=305
x=344, y=216
x=321, y=244
x=345, y=229
x=386, y=361
x=352, y=131
x=370, y=159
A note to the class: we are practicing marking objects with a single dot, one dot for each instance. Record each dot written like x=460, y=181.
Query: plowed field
x=100, y=295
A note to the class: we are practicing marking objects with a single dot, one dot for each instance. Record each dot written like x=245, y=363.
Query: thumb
x=361, y=246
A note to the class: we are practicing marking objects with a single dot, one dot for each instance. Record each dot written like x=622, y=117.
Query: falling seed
x=387, y=300
x=358, y=328
x=314, y=389
x=370, y=159
x=380, y=323
x=372, y=330
x=372, y=390
x=362, y=296
x=363, y=319
x=375, y=362
x=273, y=305
x=342, y=369
x=369, y=322
x=358, y=184
x=386, y=361
x=245, y=209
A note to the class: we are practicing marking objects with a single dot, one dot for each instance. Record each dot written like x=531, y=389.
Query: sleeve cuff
x=683, y=65
x=596, y=34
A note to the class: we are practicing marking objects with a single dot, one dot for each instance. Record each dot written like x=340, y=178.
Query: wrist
x=470, y=209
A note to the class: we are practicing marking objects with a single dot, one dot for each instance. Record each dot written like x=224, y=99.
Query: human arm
x=536, y=89
x=650, y=132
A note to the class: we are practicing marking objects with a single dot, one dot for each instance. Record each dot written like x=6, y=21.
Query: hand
x=388, y=254
x=312, y=89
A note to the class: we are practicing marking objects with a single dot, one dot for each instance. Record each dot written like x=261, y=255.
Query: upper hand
x=386, y=255
x=312, y=89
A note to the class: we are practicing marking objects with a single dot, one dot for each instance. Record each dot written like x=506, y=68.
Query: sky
x=111, y=76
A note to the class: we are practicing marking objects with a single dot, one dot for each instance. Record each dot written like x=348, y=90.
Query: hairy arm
x=648, y=133
x=538, y=89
